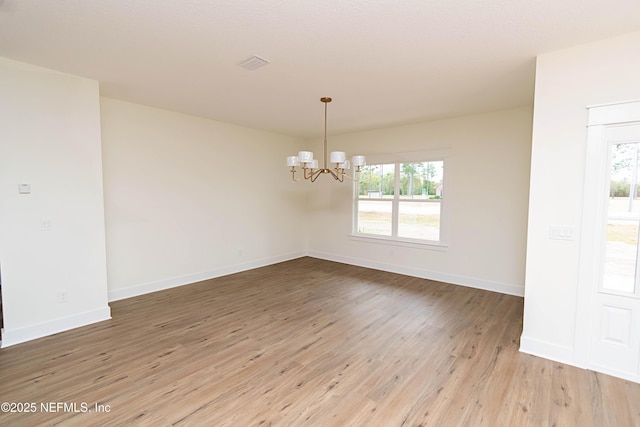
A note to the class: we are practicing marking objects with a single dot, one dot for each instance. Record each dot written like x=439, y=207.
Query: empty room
x=354, y=213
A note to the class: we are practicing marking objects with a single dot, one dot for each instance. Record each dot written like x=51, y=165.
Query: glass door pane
x=621, y=255
x=623, y=218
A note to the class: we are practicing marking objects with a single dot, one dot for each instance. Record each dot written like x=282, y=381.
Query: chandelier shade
x=338, y=159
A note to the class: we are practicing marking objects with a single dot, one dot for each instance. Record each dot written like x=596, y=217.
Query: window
x=402, y=200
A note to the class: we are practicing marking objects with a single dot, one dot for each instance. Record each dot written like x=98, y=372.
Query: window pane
x=419, y=220
x=377, y=181
x=421, y=180
x=374, y=217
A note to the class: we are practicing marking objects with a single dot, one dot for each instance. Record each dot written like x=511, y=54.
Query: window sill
x=408, y=243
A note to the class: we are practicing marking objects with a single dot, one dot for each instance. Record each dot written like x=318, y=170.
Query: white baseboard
x=16, y=336
x=548, y=350
x=488, y=285
x=566, y=355
x=145, y=288
x=619, y=374
x=12, y=337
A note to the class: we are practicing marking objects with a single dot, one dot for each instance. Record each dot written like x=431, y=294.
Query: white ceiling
x=384, y=62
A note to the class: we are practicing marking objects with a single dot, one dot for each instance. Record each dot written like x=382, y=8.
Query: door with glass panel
x=615, y=337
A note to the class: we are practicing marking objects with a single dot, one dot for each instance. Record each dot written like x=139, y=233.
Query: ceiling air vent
x=253, y=63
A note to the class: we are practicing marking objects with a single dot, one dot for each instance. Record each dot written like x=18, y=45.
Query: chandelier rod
x=326, y=101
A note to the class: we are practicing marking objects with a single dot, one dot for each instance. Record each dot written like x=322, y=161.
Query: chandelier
x=310, y=168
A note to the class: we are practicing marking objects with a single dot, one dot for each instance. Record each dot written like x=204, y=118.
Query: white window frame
x=397, y=158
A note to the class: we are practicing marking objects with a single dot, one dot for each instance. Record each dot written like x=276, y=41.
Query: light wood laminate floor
x=308, y=343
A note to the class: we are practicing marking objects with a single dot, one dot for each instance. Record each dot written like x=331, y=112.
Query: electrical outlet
x=62, y=297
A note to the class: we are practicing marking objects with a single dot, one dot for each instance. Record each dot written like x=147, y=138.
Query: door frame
x=592, y=227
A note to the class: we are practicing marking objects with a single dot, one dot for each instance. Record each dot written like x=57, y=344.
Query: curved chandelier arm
x=337, y=174
x=314, y=175
x=293, y=174
x=340, y=174
x=309, y=173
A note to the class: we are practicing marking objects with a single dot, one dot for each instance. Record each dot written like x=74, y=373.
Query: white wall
x=487, y=192
x=189, y=199
x=50, y=139
x=186, y=199
x=567, y=82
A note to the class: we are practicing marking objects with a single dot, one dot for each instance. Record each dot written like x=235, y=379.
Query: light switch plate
x=561, y=232
x=46, y=224
x=24, y=188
